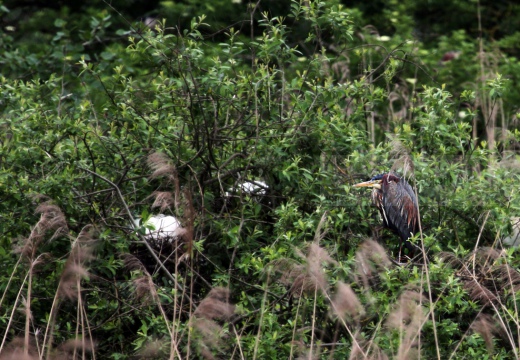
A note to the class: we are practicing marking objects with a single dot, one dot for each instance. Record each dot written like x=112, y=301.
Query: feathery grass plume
x=450, y=259
x=293, y=275
x=132, y=263
x=475, y=270
x=407, y=317
x=508, y=276
x=493, y=271
x=305, y=279
x=162, y=200
x=397, y=148
x=478, y=292
x=302, y=349
x=162, y=166
x=487, y=327
x=320, y=232
x=370, y=351
x=406, y=165
x=288, y=269
x=15, y=350
x=341, y=70
x=371, y=259
x=346, y=304
x=485, y=257
x=316, y=257
x=70, y=280
x=484, y=266
x=51, y=219
x=75, y=270
x=152, y=350
x=145, y=290
x=214, y=307
x=305, y=354
x=403, y=159
x=208, y=334
x=71, y=349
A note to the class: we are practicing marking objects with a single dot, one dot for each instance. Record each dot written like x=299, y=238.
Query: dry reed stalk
x=69, y=286
x=75, y=267
x=163, y=167
x=216, y=305
x=487, y=327
x=213, y=308
x=369, y=351
x=69, y=349
x=17, y=350
x=485, y=274
x=408, y=316
x=146, y=293
x=189, y=220
x=163, y=200
x=152, y=350
x=145, y=290
x=346, y=304
x=306, y=278
x=371, y=259
x=489, y=280
x=52, y=220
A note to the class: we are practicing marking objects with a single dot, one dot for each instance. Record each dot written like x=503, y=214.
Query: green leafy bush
x=253, y=141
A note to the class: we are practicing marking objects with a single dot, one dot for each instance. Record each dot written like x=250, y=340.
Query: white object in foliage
x=255, y=187
x=162, y=227
x=514, y=239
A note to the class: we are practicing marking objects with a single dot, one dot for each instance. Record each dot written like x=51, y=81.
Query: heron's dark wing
x=400, y=208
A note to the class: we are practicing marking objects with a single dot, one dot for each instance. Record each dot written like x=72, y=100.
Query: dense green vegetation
x=249, y=122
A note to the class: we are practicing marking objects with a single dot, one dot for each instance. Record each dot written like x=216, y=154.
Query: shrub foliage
x=251, y=136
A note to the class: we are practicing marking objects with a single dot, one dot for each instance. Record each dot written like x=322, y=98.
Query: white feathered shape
x=256, y=187
x=162, y=227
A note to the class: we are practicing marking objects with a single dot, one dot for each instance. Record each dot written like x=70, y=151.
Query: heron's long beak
x=371, y=183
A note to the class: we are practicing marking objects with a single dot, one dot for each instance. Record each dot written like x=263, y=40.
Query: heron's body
x=396, y=201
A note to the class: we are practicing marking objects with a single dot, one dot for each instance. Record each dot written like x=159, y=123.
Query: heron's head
x=375, y=182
